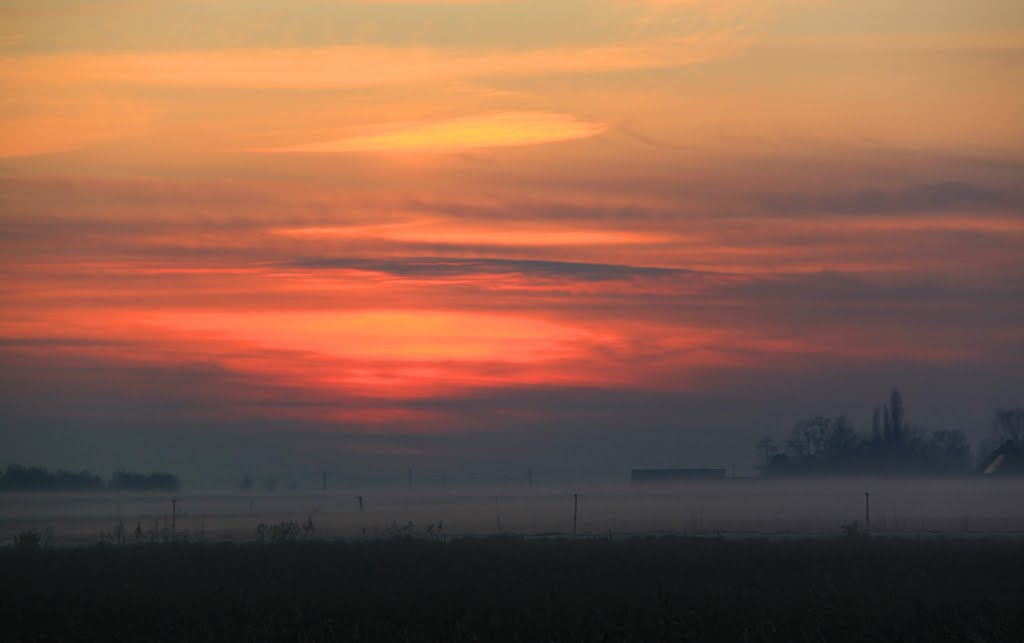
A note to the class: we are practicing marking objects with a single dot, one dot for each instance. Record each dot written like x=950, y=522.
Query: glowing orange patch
x=389, y=334
x=505, y=129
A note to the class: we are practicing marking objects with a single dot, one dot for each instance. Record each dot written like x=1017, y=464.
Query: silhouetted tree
x=1008, y=425
x=896, y=417
x=130, y=481
x=831, y=445
x=823, y=443
x=20, y=478
x=842, y=441
x=806, y=440
x=876, y=430
x=947, y=451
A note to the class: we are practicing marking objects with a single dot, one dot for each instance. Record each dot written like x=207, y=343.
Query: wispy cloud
x=448, y=231
x=344, y=67
x=506, y=129
x=453, y=267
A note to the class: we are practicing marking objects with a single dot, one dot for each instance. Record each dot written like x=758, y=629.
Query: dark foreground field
x=518, y=591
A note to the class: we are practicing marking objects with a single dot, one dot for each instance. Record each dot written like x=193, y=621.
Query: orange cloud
x=385, y=334
x=346, y=66
x=504, y=129
x=450, y=231
x=32, y=125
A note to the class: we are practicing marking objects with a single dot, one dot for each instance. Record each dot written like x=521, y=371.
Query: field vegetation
x=509, y=589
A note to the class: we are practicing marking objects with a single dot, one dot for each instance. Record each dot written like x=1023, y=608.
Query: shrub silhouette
x=28, y=540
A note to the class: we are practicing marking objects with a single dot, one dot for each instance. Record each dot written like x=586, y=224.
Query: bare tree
x=876, y=427
x=822, y=438
x=841, y=441
x=766, y=449
x=948, y=451
x=896, y=416
x=807, y=439
x=1008, y=425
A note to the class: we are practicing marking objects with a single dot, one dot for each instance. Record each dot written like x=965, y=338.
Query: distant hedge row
x=21, y=478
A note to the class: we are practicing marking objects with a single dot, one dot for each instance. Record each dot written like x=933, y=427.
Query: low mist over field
x=727, y=509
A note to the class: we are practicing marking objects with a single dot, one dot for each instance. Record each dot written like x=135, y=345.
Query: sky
x=285, y=237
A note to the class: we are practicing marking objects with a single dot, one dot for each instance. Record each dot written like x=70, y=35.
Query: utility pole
x=575, y=512
x=174, y=511
x=867, y=513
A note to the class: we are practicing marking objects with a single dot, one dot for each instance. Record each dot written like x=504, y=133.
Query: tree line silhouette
x=21, y=478
x=832, y=446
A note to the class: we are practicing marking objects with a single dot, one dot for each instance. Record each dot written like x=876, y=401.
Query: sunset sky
x=287, y=236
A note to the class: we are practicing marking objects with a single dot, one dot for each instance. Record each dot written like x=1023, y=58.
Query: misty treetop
x=1008, y=426
x=21, y=478
x=831, y=446
x=129, y=481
